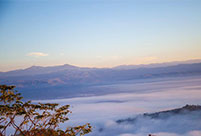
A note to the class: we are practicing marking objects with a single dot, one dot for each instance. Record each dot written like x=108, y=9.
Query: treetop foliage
x=28, y=119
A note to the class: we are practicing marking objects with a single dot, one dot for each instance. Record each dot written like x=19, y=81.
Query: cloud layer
x=37, y=54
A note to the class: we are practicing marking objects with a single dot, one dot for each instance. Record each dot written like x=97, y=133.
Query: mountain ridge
x=76, y=75
x=154, y=65
x=163, y=114
x=76, y=81
x=125, y=67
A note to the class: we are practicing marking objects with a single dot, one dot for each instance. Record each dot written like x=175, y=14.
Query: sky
x=98, y=33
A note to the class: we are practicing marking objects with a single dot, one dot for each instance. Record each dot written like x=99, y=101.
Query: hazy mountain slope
x=70, y=75
x=36, y=70
x=155, y=65
x=164, y=114
x=75, y=80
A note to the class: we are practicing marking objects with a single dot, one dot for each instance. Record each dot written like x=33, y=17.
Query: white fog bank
x=142, y=97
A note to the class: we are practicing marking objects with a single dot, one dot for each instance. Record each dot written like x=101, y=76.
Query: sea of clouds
x=143, y=97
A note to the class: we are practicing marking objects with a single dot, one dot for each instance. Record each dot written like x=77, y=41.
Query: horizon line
x=189, y=61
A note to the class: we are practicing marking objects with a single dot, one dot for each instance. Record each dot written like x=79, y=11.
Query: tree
x=35, y=119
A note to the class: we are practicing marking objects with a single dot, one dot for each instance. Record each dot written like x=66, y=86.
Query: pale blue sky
x=98, y=33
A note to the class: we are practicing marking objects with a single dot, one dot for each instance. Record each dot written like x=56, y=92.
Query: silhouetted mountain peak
x=191, y=107
x=34, y=68
x=68, y=66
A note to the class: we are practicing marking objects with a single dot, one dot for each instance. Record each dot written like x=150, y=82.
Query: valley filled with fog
x=133, y=98
x=103, y=96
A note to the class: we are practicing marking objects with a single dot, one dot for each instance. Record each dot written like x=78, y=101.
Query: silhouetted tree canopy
x=28, y=119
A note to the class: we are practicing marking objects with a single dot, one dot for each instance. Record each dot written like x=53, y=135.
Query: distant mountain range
x=36, y=70
x=72, y=75
x=68, y=78
x=154, y=65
